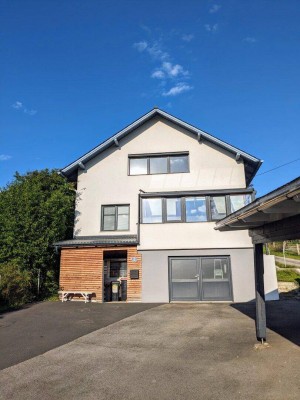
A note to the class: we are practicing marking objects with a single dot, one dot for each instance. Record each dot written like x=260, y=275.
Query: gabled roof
x=251, y=163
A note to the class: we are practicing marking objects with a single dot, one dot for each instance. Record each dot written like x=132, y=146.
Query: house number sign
x=134, y=259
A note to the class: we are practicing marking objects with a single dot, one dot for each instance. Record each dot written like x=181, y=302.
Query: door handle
x=197, y=276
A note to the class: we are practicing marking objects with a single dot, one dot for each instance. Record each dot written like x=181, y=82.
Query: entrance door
x=200, y=278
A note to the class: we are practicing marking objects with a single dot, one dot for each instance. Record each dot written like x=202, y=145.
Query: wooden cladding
x=82, y=269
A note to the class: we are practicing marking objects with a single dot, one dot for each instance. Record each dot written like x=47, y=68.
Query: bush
x=15, y=285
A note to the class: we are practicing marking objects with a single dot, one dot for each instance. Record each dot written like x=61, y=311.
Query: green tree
x=36, y=210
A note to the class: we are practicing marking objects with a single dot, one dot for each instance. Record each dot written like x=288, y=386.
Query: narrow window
x=195, y=209
x=239, y=201
x=138, y=166
x=173, y=210
x=115, y=218
x=164, y=163
x=218, y=207
x=152, y=211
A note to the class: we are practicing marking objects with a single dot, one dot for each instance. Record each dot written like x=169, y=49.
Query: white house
x=147, y=202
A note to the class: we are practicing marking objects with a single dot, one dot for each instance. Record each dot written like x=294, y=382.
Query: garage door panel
x=200, y=278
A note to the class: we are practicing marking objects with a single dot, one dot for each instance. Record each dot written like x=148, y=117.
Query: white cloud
x=178, y=89
x=30, y=112
x=211, y=28
x=250, y=39
x=169, y=70
x=174, y=70
x=214, y=8
x=20, y=107
x=187, y=38
x=165, y=70
x=140, y=46
x=17, y=105
x=4, y=157
x=158, y=74
x=156, y=52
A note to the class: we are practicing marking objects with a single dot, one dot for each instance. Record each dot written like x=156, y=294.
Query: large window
x=115, y=218
x=191, y=208
x=159, y=164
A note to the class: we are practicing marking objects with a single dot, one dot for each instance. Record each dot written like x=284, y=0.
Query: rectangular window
x=115, y=218
x=166, y=163
x=138, y=166
x=158, y=165
x=152, y=211
x=195, y=209
x=191, y=209
x=217, y=207
x=173, y=212
x=239, y=201
x=179, y=164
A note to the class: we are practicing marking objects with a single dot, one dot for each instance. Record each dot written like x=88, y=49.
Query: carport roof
x=282, y=204
x=120, y=240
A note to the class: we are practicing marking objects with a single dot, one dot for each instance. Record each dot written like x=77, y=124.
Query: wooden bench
x=66, y=293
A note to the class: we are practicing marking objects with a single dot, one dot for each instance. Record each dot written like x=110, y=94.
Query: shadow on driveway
x=40, y=327
x=283, y=317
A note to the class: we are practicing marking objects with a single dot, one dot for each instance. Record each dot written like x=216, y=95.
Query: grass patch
x=288, y=276
x=287, y=255
x=280, y=265
x=53, y=297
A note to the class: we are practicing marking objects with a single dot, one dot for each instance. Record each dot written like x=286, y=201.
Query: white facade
x=104, y=179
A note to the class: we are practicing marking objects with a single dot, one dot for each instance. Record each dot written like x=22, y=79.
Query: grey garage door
x=200, y=278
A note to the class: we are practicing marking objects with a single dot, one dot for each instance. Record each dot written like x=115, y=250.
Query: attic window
x=165, y=163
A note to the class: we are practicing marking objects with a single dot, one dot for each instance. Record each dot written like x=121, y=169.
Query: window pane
x=195, y=209
x=123, y=269
x=123, y=210
x=218, y=207
x=158, y=165
x=138, y=166
x=174, y=209
x=152, y=211
x=123, y=218
x=239, y=201
x=123, y=222
x=109, y=210
x=108, y=222
x=215, y=268
x=179, y=164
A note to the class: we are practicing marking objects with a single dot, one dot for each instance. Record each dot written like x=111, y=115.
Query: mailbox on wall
x=134, y=274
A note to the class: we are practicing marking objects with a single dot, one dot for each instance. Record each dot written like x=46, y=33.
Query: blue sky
x=75, y=72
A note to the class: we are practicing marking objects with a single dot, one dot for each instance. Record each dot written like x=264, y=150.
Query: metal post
x=261, y=326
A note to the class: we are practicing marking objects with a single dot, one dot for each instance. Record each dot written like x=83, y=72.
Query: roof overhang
x=98, y=241
x=272, y=217
x=251, y=163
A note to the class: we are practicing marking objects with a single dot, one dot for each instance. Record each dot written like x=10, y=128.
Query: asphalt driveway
x=41, y=327
x=172, y=351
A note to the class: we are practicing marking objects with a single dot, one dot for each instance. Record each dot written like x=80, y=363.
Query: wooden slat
x=82, y=268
